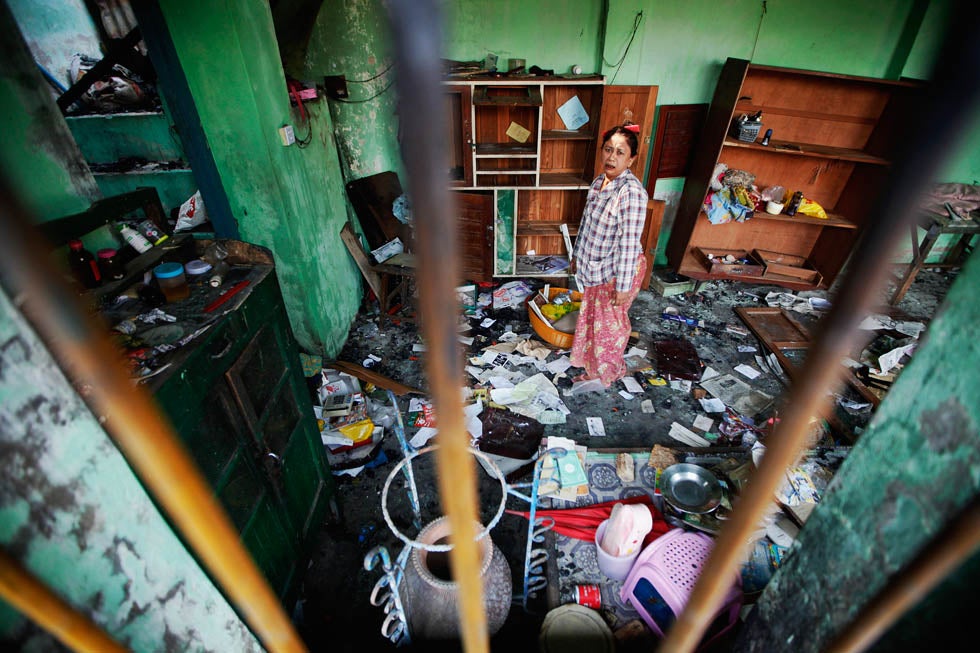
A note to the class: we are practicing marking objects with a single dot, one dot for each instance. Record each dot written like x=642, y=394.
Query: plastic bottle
x=765, y=139
x=83, y=265
x=150, y=232
x=134, y=238
x=794, y=203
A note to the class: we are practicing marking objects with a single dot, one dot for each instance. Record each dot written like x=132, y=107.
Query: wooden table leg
x=918, y=260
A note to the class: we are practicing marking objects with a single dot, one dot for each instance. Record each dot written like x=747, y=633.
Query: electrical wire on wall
x=370, y=79
x=758, y=30
x=294, y=88
x=619, y=64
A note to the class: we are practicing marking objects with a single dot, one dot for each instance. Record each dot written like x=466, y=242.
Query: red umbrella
x=581, y=522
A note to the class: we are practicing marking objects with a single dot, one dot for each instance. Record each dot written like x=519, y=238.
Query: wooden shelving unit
x=833, y=139
x=514, y=195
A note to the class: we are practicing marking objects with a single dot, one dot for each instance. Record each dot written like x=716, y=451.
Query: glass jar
x=109, y=265
x=170, y=277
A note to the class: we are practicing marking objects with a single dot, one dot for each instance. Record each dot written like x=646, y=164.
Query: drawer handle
x=224, y=351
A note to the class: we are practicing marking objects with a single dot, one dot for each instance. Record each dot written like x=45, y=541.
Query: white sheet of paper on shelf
x=573, y=114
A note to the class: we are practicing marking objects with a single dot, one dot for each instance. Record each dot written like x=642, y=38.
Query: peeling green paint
x=75, y=515
x=352, y=39
x=288, y=199
x=915, y=467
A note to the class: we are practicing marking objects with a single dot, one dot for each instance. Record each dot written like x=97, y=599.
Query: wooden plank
x=651, y=234
x=353, y=244
x=379, y=380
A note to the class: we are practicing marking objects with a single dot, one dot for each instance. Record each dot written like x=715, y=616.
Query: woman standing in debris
x=609, y=259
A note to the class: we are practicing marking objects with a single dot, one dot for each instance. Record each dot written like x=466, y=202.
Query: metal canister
x=588, y=595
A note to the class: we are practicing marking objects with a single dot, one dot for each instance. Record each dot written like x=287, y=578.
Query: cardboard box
x=746, y=264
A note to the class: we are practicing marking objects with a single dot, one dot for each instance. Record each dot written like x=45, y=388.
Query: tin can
x=588, y=595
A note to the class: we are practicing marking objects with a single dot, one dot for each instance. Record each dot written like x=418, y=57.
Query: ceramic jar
x=430, y=596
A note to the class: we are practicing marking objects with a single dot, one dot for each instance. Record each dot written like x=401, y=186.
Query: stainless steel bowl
x=690, y=488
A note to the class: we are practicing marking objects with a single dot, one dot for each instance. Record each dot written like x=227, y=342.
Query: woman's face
x=616, y=156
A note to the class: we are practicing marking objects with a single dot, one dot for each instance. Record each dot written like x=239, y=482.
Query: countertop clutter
x=173, y=294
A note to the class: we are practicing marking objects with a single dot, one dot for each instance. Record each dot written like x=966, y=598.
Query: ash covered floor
x=334, y=612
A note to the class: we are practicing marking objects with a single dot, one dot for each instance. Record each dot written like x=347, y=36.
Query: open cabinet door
x=475, y=234
x=641, y=102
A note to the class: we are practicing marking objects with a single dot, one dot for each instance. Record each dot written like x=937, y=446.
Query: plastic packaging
x=794, y=203
x=83, y=266
x=134, y=238
x=151, y=232
x=170, y=277
x=110, y=266
x=197, y=267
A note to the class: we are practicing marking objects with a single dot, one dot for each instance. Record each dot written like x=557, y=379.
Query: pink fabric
x=603, y=330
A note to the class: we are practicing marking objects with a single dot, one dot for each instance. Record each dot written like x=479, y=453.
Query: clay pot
x=430, y=596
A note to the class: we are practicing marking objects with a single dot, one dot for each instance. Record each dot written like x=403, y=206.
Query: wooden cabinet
x=833, y=139
x=515, y=162
x=239, y=401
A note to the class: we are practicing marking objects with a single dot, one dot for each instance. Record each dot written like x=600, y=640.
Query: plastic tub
x=614, y=567
x=544, y=330
x=170, y=277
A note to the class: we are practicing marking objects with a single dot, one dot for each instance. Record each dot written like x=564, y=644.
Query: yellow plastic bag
x=358, y=431
x=811, y=208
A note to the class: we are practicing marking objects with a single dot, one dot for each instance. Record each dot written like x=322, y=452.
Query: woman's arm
x=632, y=214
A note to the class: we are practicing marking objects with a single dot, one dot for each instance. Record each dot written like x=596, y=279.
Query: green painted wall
x=38, y=154
x=55, y=30
x=550, y=34
x=74, y=514
x=351, y=39
x=680, y=46
x=290, y=200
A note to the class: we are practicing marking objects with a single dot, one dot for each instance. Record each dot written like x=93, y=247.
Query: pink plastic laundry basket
x=661, y=580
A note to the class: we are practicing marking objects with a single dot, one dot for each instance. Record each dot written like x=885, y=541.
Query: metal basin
x=690, y=488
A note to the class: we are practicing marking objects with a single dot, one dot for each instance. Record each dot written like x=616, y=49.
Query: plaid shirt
x=608, y=242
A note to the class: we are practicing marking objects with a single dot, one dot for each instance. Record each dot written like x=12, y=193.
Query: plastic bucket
x=614, y=567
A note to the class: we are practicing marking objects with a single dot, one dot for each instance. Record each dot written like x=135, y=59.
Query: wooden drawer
x=746, y=264
x=783, y=266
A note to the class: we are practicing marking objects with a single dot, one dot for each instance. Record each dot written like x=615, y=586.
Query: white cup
x=614, y=567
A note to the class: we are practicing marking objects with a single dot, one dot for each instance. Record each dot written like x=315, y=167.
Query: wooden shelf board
x=810, y=150
x=564, y=179
x=482, y=98
x=836, y=221
x=544, y=228
x=504, y=171
x=566, y=135
x=504, y=149
x=799, y=113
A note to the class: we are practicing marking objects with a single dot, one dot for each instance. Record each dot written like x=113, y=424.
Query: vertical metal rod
x=948, y=550
x=947, y=107
x=133, y=421
x=21, y=589
x=416, y=28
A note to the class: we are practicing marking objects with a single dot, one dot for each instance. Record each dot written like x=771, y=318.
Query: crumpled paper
x=536, y=397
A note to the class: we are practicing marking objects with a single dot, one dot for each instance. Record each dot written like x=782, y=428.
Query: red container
x=588, y=595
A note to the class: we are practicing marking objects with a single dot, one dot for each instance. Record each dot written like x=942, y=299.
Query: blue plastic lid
x=168, y=270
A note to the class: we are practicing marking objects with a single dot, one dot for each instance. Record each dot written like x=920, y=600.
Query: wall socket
x=287, y=135
x=335, y=87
